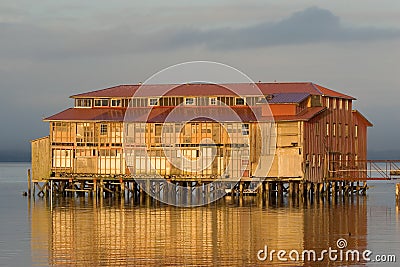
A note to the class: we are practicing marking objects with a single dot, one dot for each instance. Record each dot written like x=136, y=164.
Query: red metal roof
x=89, y=114
x=360, y=116
x=332, y=93
x=304, y=115
x=243, y=89
x=180, y=114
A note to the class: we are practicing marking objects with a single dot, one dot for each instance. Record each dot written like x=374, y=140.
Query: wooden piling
x=267, y=190
x=101, y=188
x=334, y=189
x=301, y=190
x=29, y=182
x=291, y=190
x=122, y=185
x=321, y=189
x=241, y=188
x=280, y=190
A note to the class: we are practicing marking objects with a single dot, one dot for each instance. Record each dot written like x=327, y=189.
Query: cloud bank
x=312, y=25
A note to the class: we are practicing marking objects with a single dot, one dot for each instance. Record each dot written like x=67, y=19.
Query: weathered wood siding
x=41, y=159
x=287, y=160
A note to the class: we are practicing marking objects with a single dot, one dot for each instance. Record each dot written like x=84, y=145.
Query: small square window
x=213, y=101
x=189, y=101
x=153, y=101
x=239, y=101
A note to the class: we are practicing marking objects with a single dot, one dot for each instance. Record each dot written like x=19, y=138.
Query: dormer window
x=101, y=102
x=189, y=101
x=153, y=101
x=239, y=101
x=83, y=103
x=116, y=102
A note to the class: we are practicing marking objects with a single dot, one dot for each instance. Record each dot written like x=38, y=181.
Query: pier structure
x=200, y=140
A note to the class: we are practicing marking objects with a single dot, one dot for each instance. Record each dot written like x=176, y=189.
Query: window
x=116, y=102
x=334, y=129
x=340, y=104
x=189, y=101
x=245, y=129
x=347, y=104
x=153, y=101
x=319, y=160
x=313, y=160
x=346, y=130
x=158, y=129
x=356, y=131
x=101, y=103
x=327, y=129
x=83, y=103
x=103, y=129
x=239, y=101
x=213, y=101
x=340, y=130
x=316, y=128
x=334, y=103
x=327, y=102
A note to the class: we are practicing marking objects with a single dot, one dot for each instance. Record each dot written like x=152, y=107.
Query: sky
x=50, y=50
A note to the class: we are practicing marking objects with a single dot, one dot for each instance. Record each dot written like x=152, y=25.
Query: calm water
x=81, y=232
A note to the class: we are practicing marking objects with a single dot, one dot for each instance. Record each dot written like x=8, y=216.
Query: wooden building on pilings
x=316, y=140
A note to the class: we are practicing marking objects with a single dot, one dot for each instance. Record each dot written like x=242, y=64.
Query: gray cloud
x=308, y=26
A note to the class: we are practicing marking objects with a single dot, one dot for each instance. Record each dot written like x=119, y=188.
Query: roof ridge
x=100, y=90
x=316, y=88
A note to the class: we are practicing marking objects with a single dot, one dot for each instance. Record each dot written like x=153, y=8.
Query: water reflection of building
x=88, y=234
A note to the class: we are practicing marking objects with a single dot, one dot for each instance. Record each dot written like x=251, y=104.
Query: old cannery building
x=305, y=132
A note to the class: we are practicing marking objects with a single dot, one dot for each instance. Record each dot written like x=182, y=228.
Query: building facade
x=313, y=134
